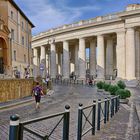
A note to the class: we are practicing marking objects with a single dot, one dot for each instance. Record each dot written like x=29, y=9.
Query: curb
x=15, y=104
x=21, y=102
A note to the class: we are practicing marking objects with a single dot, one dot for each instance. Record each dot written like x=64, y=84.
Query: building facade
x=15, y=40
x=113, y=41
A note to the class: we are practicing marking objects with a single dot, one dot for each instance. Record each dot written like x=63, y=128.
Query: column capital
x=130, y=29
x=121, y=32
x=81, y=38
x=65, y=41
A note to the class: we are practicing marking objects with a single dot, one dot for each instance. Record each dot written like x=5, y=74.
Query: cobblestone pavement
x=116, y=129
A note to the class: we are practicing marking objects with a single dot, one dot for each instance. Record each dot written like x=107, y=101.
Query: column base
x=129, y=82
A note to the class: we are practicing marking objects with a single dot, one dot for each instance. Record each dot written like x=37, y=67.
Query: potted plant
x=112, y=89
x=100, y=86
x=124, y=95
x=121, y=84
x=106, y=87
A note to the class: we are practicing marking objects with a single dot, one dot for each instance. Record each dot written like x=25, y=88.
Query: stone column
x=137, y=54
x=35, y=62
x=72, y=58
x=43, y=62
x=100, y=57
x=66, y=63
x=47, y=63
x=53, y=61
x=82, y=58
x=57, y=63
x=109, y=57
x=130, y=54
x=92, y=58
x=120, y=54
x=76, y=59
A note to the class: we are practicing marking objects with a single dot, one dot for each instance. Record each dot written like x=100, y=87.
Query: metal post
x=93, y=117
x=116, y=104
x=66, y=123
x=99, y=114
x=79, y=132
x=108, y=102
x=20, y=132
x=14, y=127
x=112, y=107
x=105, y=110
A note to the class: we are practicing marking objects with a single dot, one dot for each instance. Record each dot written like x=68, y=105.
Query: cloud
x=47, y=14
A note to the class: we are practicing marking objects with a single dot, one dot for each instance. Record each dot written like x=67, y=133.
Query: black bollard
x=66, y=123
x=14, y=127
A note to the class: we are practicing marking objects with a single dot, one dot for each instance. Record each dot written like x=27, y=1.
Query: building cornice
x=21, y=12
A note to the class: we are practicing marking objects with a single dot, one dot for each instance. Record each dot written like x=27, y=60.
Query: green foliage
x=112, y=89
x=100, y=84
x=123, y=93
x=121, y=84
x=128, y=92
x=106, y=86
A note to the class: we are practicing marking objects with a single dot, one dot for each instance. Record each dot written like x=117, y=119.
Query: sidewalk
x=21, y=101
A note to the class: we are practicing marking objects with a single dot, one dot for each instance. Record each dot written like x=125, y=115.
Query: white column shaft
x=92, y=61
x=100, y=57
x=137, y=54
x=66, y=59
x=43, y=61
x=130, y=54
x=35, y=62
x=120, y=54
x=42, y=56
x=53, y=61
x=76, y=60
x=109, y=57
x=82, y=58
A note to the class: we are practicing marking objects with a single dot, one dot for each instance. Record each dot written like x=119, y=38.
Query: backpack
x=37, y=92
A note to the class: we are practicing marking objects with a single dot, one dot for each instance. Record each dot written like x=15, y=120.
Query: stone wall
x=15, y=88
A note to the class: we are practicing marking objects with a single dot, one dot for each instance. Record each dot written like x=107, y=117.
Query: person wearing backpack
x=37, y=91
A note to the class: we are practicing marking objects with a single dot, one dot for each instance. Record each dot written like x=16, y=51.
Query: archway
x=3, y=55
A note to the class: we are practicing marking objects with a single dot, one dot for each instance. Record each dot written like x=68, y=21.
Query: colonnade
x=109, y=53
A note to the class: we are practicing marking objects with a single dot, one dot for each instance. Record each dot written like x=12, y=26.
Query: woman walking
x=37, y=90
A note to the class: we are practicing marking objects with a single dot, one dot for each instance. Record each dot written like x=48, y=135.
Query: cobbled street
x=62, y=95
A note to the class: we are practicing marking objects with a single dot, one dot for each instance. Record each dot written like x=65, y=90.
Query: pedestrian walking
x=37, y=92
x=47, y=81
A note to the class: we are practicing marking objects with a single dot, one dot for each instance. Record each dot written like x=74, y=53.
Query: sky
x=47, y=14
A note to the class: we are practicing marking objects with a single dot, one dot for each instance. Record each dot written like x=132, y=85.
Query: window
x=12, y=15
x=24, y=58
x=22, y=40
x=12, y=34
x=15, y=55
